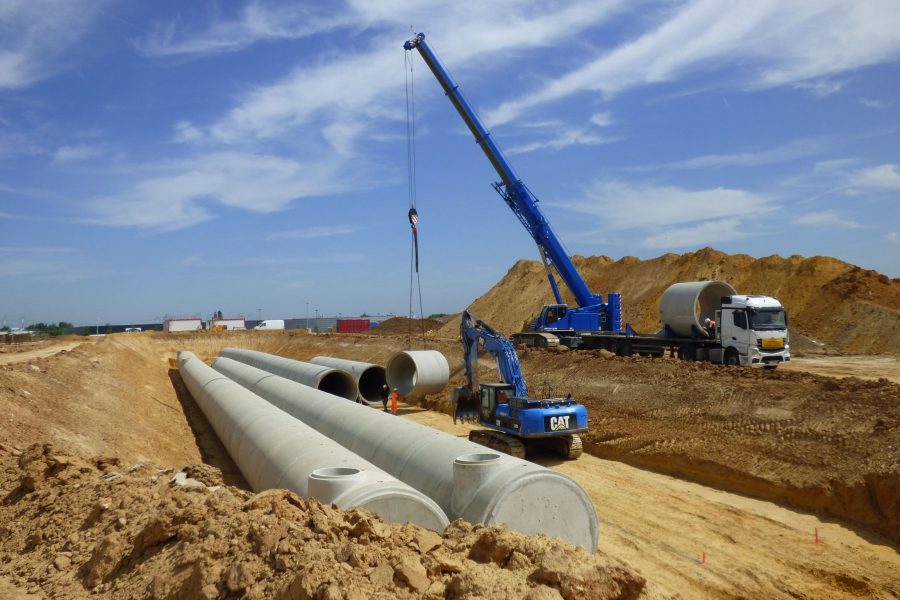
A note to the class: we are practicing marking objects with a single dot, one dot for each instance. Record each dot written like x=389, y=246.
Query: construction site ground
x=683, y=460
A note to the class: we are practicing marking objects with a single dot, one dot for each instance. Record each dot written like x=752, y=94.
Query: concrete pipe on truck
x=273, y=450
x=370, y=379
x=684, y=306
x=328, y=379
x=415, y=373
x=466, y=479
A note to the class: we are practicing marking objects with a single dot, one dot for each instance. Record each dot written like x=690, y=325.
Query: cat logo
x=559, y=423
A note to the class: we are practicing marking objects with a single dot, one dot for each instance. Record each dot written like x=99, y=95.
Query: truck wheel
x=623, y=349
x=731, y=358
x=685, y=353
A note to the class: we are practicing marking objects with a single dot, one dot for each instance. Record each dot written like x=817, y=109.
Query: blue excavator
x=514, y=421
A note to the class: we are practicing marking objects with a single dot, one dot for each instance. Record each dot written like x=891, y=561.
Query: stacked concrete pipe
x=414, y=373
x=328, y=379
x=466, y=479
x=273, y=450
x=370, y=379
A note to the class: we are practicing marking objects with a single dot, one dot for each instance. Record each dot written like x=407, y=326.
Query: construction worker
x=710, y=327
x=385, y=394
x=395, y=398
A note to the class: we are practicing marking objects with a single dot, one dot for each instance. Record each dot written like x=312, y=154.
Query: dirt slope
x=83, y=528
x=848, y=308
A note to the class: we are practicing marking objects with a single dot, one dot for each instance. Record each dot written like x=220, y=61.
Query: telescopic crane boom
x=592, y=313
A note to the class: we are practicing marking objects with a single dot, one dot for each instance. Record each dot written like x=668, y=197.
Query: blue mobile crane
x=592, y=314
x=515, y=421
x=753, y=329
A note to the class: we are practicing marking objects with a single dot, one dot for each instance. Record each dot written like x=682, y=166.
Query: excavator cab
x=494, y=395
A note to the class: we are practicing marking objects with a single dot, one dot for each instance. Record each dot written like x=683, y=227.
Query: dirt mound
x=848, y=308
x=403, y=325
x=87, y=528
x=820, y=443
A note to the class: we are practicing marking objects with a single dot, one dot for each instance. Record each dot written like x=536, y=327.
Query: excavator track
x=574, y=449
x=501, y=442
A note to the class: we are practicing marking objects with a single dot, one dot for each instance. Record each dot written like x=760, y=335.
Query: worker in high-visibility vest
x=395, y=398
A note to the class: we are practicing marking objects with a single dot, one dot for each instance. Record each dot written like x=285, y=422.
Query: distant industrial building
x=182, y=324
x=230, y=323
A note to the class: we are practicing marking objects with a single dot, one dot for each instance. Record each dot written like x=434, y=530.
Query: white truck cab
x=753, y=331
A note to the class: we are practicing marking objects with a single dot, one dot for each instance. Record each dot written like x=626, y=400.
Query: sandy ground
x=862, y=366
x=120, y=397
x=45, y=351
x=661, y=526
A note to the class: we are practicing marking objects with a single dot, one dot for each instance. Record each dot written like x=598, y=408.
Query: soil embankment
x=847, y=308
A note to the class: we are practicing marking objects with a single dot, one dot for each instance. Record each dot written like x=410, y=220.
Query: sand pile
x=85, y=528
x=848, y=308
x=403, y=325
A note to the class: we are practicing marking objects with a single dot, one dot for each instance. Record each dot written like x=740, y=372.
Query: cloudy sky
x=180, y=158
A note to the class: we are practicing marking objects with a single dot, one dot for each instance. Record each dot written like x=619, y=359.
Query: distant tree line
x=50, y=328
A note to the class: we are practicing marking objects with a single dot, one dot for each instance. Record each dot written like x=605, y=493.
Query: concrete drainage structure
x=418, y=372
x=466, y=479
x=273, y=450
x=370, y=379
x=684, y=306
x=328, y=379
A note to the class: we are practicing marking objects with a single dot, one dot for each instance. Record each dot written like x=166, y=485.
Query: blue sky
x=180, y=158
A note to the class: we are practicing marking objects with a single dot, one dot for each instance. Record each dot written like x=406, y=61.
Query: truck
x=271, y=324
x=514, y=422
x=751, y=330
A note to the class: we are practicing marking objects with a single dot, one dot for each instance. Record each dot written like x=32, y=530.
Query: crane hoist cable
x=415, y=281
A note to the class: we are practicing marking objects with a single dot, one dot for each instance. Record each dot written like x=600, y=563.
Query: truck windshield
x=764, y=319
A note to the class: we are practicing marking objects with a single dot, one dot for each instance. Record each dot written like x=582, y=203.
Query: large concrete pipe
x=328, y=379
x=466, y=479
x=684, y=306
x=370, y=379
x=273, y=450
x=418, y=372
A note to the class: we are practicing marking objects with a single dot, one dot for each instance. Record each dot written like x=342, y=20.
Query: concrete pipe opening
x=415, y=373
x=685, y=306
x=370, y=379
x=329, y=483
x=338, y=383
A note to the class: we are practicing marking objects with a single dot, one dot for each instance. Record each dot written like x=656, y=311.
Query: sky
x=172, y=158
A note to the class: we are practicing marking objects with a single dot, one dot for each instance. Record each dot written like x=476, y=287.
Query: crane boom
x=513, y=190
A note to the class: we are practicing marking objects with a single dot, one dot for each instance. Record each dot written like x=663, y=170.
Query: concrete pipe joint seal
x=332, y=381
x=415, y=373
x=465, y=479
x=370, y=379
x=684, y=306
x=273, y=451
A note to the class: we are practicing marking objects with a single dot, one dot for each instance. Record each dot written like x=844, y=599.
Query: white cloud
x=788, y=152
x=313, y=232
x=884, y=177
x=873, y=103
x=701, y=234
x=603, y=119
x=622, y=204
x=34, y=34
x=765, y=43
x=45, y=264
x=669, y=216
x=893, y=237
x=319, y=93
x=258, y=21
x=822, y=87
x=564, y=139
x=76, y=153
x=185, y=132
x=826, y=219
x=181, y=196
